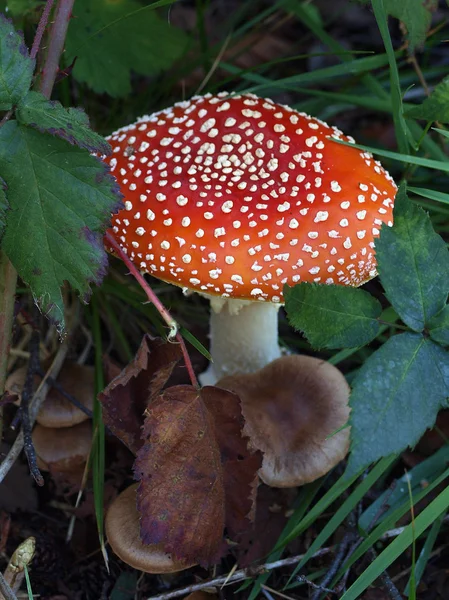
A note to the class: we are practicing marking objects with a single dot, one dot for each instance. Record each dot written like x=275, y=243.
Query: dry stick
x=27, y=393
x=56, y=45
x=41, y=28
x=36, y=403
x=340, y=555
x=386, y=580
x=242, y=574
x=173, y=325
x=6, y=590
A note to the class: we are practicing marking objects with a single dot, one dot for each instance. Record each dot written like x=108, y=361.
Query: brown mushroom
x=57, y=411
x=123, y=534
x=295, y=410
x=63, y=450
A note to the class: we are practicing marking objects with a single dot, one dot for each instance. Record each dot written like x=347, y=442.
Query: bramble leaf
x=413, y=264
x=332, y=316
x=122, y=36
x=61, y=199
x=396, y=396
x=71, y=124
x=416, y=16
x=436, y=106
x=438, y=327
x=16, y=66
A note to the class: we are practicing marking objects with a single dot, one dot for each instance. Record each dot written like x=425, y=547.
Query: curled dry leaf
x=196, y=472
x=126, y=397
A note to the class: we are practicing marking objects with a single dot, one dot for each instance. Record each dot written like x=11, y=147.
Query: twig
x=340, y=555
x=8, y=278
x=27, y=393
x=172, y=324
x=6, y=590
x=237, y=576
x=319, y=588
x=41, y=28
x=386, y=580
x=56, y=46
x=57, y=386
x=35, y=405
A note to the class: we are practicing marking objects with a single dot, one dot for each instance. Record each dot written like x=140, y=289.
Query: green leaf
x=436, y=106
x=396, y=396
x=71, y=124
x=332, y=316
x=61, y=199
x=19, y=8
x=109, y=39
x=416, y=15
x=438, y=327
x=413, y=264
x=16, y=66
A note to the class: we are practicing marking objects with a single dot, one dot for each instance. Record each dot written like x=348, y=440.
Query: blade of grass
x=98, y=447
x=405, y=158
x=341, y=513
x=398, y=546
x=425, y=553
x=396, y=94
x=412, y=513
x=430, y=194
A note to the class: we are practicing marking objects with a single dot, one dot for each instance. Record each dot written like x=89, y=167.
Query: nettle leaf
x=438, y=327
x=332, y=316
x=436, y=106
x=122, y=36
x=61, y=199
x=4, y=206
x=16, y=66
x=403, y=383
x=71, y=124
x=413, y=264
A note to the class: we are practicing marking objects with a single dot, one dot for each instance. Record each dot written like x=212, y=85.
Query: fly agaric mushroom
x=294, y=411
x=234, y=196
x=122, y=526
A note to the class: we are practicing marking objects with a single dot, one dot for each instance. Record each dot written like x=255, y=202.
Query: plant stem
x=172, y=324
x=8, y=279
x=41, y=28
x=56, y=46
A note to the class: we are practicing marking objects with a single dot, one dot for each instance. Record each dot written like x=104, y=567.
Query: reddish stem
x=41, y=28
x=56, y=45
x=158, y=305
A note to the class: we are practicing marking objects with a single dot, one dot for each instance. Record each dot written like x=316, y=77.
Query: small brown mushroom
x=63, y=450
x=294, y=410
x=123, y=533
x=56, y=411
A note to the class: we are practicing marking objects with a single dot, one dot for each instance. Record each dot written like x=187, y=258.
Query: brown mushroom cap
x=292, y=408
x=77, y=380
x=62, y=450
x=123, y=533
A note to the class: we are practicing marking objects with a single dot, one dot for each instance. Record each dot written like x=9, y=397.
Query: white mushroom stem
x=243, y=337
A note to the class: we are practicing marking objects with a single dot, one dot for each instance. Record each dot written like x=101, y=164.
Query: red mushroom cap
x=234, y=195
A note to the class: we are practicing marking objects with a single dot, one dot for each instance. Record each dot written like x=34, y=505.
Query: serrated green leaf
x=121, y=36
x=413, y=264
x=436, y=106
x=438, y=327
x=16, y=66
x=4, y=206
x=70, y=124
x=61, y=199
x=332, y=316
x=403, y=383
x=416, y=15
x=19, y=8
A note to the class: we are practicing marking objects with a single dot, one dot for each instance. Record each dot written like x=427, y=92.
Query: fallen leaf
x=196, y=472
x=126, y=397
